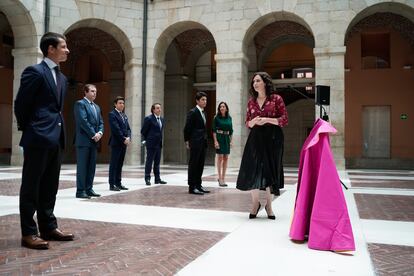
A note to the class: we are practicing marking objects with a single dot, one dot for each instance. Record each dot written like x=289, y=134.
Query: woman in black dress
x=261, y=166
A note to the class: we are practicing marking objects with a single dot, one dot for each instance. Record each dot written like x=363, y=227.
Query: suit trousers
x=115, y=165
x=85, y=168
x=40, y=182
x=153, y=156
x=196, y=167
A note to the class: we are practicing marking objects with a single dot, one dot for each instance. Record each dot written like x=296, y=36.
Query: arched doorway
x=379, y=79
x=284, y=49
x=190, y=67
x=97, y=58
x=6, y=83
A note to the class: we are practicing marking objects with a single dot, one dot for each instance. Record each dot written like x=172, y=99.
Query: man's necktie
x=204, y=116
x=58, y=82
x=94, y=111
x=122, y=117
x=159, y=122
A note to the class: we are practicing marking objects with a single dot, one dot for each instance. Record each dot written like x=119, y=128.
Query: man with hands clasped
x=89, y=130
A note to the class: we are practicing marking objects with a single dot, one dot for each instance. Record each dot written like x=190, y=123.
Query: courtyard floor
x=163, y=230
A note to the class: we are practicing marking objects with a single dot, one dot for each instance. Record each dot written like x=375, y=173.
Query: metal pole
x=47, y=15
x=144, y=68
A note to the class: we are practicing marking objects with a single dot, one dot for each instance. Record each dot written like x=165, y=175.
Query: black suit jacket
x=195, y=129
x=120, y=129
x=38, y=107
x=151, y=131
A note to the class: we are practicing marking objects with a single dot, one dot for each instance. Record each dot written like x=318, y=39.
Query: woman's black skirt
x=261, y=165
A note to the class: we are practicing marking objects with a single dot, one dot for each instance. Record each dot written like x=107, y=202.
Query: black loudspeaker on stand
x=323, y=98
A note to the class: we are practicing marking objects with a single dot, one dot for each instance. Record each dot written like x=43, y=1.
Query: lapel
x=119, y=116
x=50, y=80
x=200, y=116
x=91, y=111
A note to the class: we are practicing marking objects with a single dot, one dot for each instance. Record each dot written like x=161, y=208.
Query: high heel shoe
x=273, y=217
x=252, y=216
x=221, y=184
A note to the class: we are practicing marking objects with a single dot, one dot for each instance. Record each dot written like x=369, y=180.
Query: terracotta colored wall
x=392, y=86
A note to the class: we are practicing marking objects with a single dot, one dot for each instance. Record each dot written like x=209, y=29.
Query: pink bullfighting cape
x=320, y=209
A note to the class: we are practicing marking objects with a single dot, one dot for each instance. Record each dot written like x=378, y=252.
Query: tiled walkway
x=162, y=230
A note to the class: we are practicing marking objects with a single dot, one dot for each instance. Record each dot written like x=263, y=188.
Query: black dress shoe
x=92, y=193
x=195, y=192
x=252, y=216
x=147, y=182
x=160, y=182
x=82, y=195
x=202, y=190
x=114, y=188
x=57, y=235
x=122, y=187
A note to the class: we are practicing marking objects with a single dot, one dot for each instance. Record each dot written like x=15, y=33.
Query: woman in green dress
x=222, y=134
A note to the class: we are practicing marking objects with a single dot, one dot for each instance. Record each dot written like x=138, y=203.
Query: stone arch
x=170, y=33
x=22, y=23
x=264, y=40
x=98, y=55
x=24, y=41
x=268, y=19
x=117, y=33
x=379, y=78
x=386, y=7
x=177, y=50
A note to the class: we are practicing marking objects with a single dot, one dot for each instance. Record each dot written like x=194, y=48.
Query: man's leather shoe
x=57, y=235
x=122, y=187
x=202, y=190
x=114, y=188
x=34, y=242
x=92, y=193
x=83, y=195
x=160, y=182
x=147, y=182
x=195, y=192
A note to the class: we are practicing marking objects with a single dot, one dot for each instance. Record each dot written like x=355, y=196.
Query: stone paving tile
x=102, y=248
x=224, y=199
x=233, y=178
x=392, y=259
x=11, y=187
x=376, y=174
x=385, y=207
x=378, y=183
x=11, y=171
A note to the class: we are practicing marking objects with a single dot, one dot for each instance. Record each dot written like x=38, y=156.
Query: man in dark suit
x=89, y=130
x=119, y=141
x=151, y=132
x=195, y=137
x=38, y=110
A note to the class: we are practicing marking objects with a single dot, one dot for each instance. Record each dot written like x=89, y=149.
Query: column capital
x=31, y=51
x=133, y=62
x=232, y=57
x=329, y=51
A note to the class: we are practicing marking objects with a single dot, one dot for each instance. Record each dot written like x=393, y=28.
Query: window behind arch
x=375, y=50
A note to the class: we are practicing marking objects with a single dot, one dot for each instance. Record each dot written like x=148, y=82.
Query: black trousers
x=40, y=182
x=153, y=156
x=115, y=165
x=196, y=167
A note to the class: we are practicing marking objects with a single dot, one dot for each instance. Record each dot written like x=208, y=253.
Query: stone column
x=232, y=87
x=329, y=70
x=23, y=57
x=133, y=107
